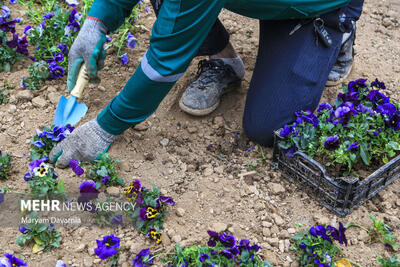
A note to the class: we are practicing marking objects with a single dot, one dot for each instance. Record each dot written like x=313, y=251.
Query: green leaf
x=140, y=224
x=21, y=240
x=36, y=248
x=393, y=145
x=364, y=154
x=38, y=240
x=60, y=186
x=41, y=228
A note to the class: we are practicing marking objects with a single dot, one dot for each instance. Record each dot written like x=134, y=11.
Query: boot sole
x=206, y=111
x=341, y=80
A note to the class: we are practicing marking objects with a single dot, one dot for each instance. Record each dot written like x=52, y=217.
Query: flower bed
x=361, y=131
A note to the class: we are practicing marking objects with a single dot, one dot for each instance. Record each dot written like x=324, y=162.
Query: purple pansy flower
x=7, y=26
x=349, y=97
x=353, y=147
x=324, y=106
x=107, y=247
x=394, y=121
x=332, y=142
x=338, y=234
x=5, y=12
x=386, y=109
x=203, y=257
x=48, y=15
x=58, y=57
x=167, y=200
x=24, y=229
x=286, y=130
x=20, y=44
x=124, y=59
x=378, y=84
x=1, y=196
x=11, y=260
x=131, y=41
x=143, y=259
x=214, y=238
x=302, y=246
x=27, y=28
x=354, y=86
x=228, y=241
x=88, y=191
x=105, y=179
x=133, y=192
x=39, y=144
x=74, y=165
x=307, y=116
x=63, y=48
x=116, y=220
x=377, y=98
x=364, y=109
x=55, y=71
x=148, y=213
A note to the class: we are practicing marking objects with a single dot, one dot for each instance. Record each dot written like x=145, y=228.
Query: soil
x=203, y=165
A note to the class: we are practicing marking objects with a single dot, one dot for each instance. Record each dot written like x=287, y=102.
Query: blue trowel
x=70, y=111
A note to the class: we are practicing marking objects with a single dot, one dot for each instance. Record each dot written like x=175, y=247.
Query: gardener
x=294, y=59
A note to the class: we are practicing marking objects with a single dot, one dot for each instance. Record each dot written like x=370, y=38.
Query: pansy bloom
x=338, y=234
x=378, y=84
x=132, y=192
x=394, y=121
x=24, y=229
x=107, y=247
x=154, y=235
x=386, y=109
x=143, y=259
x=74, y=165
x=148, y=213
x=131, y=41
x=11, y=261
x=214, y=238
x=165, y=200
x=324, y=106
x=116, y=220
x=203, y=257
x=307, y=116
x=354, y=86
x=105, y=179
x=88, y=191
x=1, y=196
x=286, y=131
x=124, y=59
x=332, y=142
x=354, y=147
x=228, y=241
x=377, y=98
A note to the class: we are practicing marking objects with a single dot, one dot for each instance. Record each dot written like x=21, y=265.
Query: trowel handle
x=81, y=82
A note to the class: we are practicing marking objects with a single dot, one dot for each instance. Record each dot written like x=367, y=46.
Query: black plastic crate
x=339, y=194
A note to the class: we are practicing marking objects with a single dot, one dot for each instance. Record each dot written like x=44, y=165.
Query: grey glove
x=87, y=48
x=83, y=144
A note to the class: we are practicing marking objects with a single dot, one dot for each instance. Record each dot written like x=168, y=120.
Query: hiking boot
x=214, y=79
x=344, y=63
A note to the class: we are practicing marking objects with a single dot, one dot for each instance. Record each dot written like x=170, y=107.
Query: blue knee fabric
x=290, y=74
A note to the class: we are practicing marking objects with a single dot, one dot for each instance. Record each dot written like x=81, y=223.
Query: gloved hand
x=83, y=144
x=87, y=48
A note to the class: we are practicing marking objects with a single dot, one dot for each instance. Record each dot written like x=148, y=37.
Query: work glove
x=83, y=144
x=87, y=48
